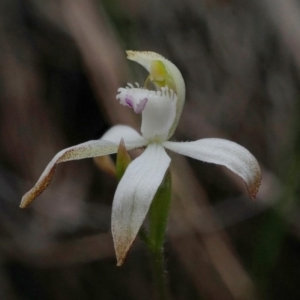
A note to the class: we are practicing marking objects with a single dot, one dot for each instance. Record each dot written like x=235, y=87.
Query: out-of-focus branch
x=104, y=60
x=286, y=17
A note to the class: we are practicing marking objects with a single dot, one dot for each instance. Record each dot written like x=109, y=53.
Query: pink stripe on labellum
x=137, y=106
x=128, y=101
x=140, y=106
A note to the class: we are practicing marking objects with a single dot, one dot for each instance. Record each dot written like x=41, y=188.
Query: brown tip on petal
x=254, y=185
x=122, y=247
x=121, y=252
x=120, y=263
x=40, y=186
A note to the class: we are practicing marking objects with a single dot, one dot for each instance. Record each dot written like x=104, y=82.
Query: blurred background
x=61, y=63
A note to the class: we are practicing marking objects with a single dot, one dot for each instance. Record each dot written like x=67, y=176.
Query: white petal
x=223, y=152
x=159, y=115
x=85, y=150
x=134, y=195
x=131, y=137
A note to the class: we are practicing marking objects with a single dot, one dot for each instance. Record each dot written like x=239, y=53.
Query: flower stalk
x=158, y=218
x=154, y=239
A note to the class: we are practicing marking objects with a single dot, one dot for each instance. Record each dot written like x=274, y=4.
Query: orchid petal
x=167, y=73
x=134, y=195
x=223, y=152
x=84, y=150
x=159, y=115
x=132, y=138
x=158, y=109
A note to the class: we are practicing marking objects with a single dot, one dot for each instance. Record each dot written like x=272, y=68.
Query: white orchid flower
x=161, y=110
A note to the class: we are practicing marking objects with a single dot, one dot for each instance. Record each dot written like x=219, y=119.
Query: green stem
x=159, y=273
x=157, y=265
x=158, y=217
